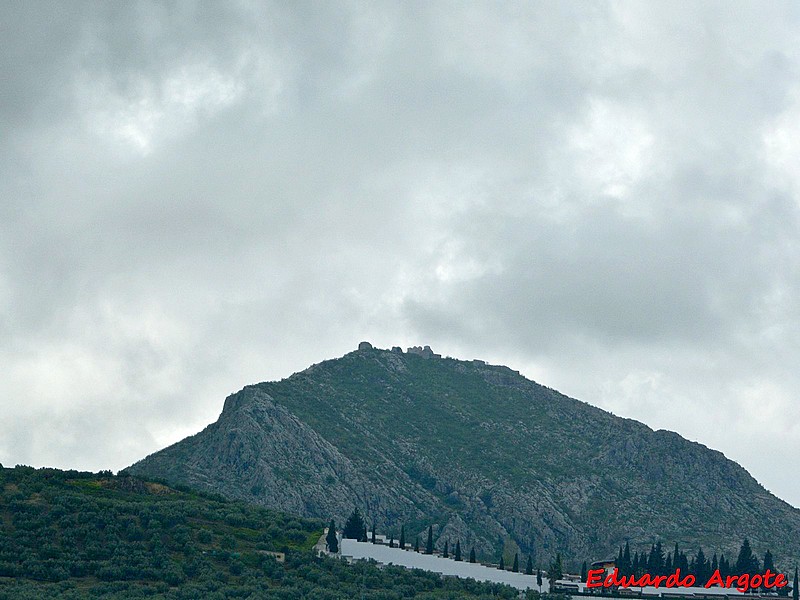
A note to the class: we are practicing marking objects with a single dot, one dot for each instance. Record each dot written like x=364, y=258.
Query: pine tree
x=584, y=572
x=416, y=544
x=555, y=572
x=529, y=566
x=515, y=566
x=402, y=537
x=429, y=544
x=374, y=538
x=331, y=539
x=502, y=565
x=445, y=554
x=354, y=528
x=472, y=554
x=458, y=550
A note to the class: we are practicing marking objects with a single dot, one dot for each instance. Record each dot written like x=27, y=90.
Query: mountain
x=481, y=453
x=73, y=535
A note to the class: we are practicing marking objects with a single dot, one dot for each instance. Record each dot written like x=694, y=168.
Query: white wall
x=437, y=564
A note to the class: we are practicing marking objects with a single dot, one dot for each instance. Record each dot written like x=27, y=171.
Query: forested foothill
x=70, y=534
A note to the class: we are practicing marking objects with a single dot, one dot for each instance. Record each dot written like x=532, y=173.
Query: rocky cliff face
x=483, y=454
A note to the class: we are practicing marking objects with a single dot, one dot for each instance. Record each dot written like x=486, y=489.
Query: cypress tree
x=619, y=560
x=724, y=567
x=651, y=560
x=659, y=560
x=445, y=554
x=529, y=566
x=555, y=572
x=458, y=550
x=354, y=528
x=364, y=537
x=391, y=541
x=668, y=565
x=416, y=544
x=795, y=590
x=429, y=545
x=402, y=537
x=374, y=539
x=701, y=568
x=714, y=563
x=584, y=572
x=684, y=563
x=539, y=578
x=472, y=555
x=744, y=563
x=515, y=566
x=635, y=564
x=626, y=560
x=502, y=565
x=768, y=562
x=331, y=539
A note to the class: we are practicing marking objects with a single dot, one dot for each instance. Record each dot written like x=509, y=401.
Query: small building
x=278, y=556
x=365, y=346
x=568, y=586
x=607, y=565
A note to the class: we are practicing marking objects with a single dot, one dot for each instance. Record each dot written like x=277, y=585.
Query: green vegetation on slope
x=66, y=534
x=484, y=455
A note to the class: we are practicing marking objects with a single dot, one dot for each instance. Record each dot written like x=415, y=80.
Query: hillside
x=487, y=456
x=71, y=535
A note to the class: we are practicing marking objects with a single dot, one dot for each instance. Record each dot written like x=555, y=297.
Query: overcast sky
x=194, y=198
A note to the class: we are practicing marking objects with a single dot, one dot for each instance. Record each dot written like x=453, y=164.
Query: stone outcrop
x=424, y=352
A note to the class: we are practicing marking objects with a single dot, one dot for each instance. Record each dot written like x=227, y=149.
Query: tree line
x=657, y=562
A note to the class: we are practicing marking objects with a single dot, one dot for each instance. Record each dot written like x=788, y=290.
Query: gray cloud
x=196, y=197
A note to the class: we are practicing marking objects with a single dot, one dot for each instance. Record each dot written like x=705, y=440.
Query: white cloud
x=157, y=110
x=198, y=197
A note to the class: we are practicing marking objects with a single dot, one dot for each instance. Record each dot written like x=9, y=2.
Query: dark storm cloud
x=198, y=196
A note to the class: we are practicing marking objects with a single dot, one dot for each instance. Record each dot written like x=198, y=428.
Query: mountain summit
x=483, y=454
